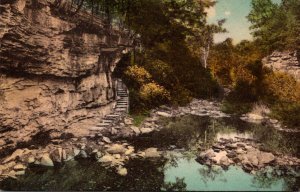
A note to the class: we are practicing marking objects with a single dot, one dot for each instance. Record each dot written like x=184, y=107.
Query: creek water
x=180, y=140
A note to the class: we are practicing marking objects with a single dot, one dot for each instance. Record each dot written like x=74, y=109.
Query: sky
x=235, y=12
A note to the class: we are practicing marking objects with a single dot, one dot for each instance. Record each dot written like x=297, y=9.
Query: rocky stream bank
x=111, y=146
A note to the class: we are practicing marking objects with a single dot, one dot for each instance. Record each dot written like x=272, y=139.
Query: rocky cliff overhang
x=37, y=39
x=285, y=61
x=55, y=68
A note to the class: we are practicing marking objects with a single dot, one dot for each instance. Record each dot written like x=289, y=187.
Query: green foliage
x=288, y=113
x=144, y=92
x=166, y=69
x=236, y=107
x=281, y=87
x=237, y=67
x=138, y=118
x=275, y=26
x=282, y=91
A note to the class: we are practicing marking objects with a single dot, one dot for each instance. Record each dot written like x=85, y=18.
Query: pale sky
x=235, y=12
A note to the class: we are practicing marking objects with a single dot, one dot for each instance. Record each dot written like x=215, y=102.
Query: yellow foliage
x=153, y=91
x=241, y=74
x=138, y=74
x=283, y=87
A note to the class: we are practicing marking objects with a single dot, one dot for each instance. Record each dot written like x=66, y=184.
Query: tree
x=203, y=38
x=275, y=26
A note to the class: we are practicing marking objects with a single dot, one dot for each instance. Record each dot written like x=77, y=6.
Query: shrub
x=282, y=91
x=236, y=107
x=137, y=74
x=154, y=94
x=281, y=87
x=180, y=95
x=288, y=113
x=260, y=109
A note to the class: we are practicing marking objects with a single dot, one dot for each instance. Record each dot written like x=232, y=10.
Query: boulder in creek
x=76, y=151
x=146, y=130
x=106, y=140
x=68, y=154
x=83, y=154
x=141, y=154
x=225, y=161
x=209, y=154
x=218, y=156
x=57, y=155
x=256, y=158
x=163, y=114
x=129, y=151
x=247, y=166
x=116, y=149
x=19, y=173
x=240, y=151
x=19, y=167
x=128, y=121
x=98, y=155
x=216, y=146
x=135, y=129
x=30, y=160
x=231, y=146
x=231, y=154
x=117, y=156
x=106, y=159
x=265, y=158
x=152, y=153
x=122, y=171
x=46, y=161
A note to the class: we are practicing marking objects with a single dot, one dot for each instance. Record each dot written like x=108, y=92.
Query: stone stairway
x=121, y=108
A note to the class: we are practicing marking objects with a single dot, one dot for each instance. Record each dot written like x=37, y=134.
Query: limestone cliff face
x=55, y=70
x=287, y=61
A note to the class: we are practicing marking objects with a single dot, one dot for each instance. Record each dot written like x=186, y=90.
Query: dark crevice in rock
x=5, y=129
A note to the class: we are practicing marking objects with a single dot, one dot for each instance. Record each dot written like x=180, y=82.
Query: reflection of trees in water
x=209, y=174
x=143, y=175
x=268, y=177
x=178, y=185
x=189, y=132
x=264, y=179
x=275, y=140
x=194, y=132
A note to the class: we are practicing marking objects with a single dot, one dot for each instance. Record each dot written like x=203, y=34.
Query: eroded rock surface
x=55, y=71
x=287, y=61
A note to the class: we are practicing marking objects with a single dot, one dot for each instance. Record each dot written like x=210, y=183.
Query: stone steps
x=107, y=121
x=103, y=124
x=120, y=109
x=96, y=128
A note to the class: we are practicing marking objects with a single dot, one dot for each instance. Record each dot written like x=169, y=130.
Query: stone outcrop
x=55, y=71
x=287, y=61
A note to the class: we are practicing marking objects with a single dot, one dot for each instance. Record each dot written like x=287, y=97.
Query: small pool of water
x=194, y=176
x=181, y=140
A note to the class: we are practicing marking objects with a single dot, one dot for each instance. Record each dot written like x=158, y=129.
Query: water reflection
x=181, y=140
x=199, y=177
x=177, y=172
x=193, y=133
